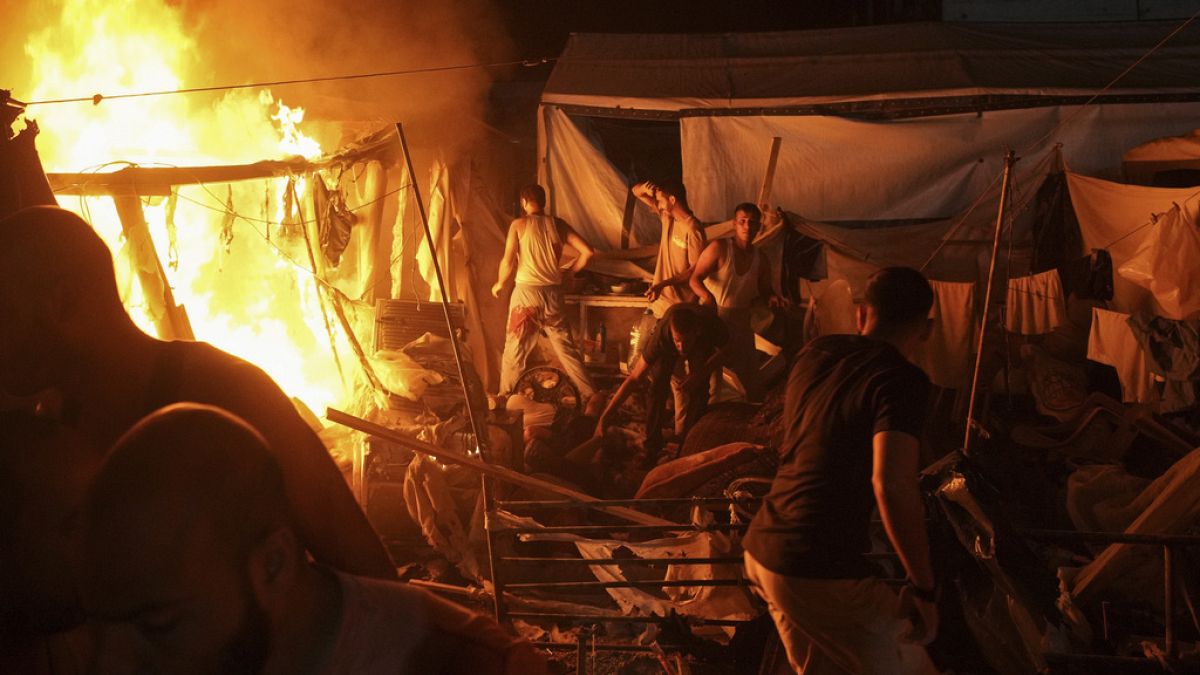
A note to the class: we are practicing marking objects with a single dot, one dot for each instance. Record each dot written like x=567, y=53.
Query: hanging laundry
x=1165, y=265
x=946, y=355
x=1172, y=349
x=1089, y=277
x=1112, y=342
x=1035, y=304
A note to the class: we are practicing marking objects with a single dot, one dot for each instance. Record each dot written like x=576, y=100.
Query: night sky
x=540, y=27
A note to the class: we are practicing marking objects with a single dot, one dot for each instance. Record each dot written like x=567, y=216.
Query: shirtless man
x=531, y=253
x=193, y=567
x=64, y=329
x=731, y=275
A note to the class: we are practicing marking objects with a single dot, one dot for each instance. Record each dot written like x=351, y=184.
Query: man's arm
x=897, y=493
x=705, y=266
x=578, y=243
x=623, y=391
x=508, y=262
x=645, y=194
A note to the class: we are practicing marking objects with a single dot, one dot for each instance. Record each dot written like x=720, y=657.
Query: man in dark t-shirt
x=854, y=407
x=682, y=352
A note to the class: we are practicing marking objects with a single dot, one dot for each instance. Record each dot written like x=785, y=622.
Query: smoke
x=287, y=39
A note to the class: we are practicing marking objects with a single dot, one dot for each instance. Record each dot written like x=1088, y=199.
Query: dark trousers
x=690, y=404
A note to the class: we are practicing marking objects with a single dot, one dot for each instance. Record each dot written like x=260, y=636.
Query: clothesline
x=95, y=99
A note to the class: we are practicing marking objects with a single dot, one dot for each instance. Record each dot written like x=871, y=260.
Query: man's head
x=533, y=198
x=45, y=471
x=747, y=221
x=896, y=305
x=57, y=288
x=685, y=331
x=190, y=556
x=669, y=194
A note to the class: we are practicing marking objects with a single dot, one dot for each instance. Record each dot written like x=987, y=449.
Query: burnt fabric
x=842, y=390
x=1172, y=350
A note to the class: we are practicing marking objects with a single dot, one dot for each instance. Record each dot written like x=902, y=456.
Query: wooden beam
x=501, y=473
x=157, y=181
x=170, y=319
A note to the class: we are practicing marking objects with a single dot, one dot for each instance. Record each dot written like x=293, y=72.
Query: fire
x=245, y=290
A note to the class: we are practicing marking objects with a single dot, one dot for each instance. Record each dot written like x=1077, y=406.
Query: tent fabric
x=1172, y=148
x=1119, y=218
x=587, y=191
x=835, y=168
x=1143, y=162
x=678, y=72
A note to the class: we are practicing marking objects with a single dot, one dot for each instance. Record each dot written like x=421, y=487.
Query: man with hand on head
x=193, y=566
x=853, y=410
x=679, y=245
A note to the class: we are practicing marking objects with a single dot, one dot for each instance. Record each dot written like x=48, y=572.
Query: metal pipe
x=674, y=583
x=579, y=529
x=599, y=646
x=1168, y=602
x=625, y=561
x=602, y=618
x=1009, y=160
x=562, y=504
x=480, y=437
x=1111, y=537
x=497, y=584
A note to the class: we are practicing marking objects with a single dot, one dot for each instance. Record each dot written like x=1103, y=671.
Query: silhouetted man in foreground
x=853, y=410
x=192, y=566
x=63, y=328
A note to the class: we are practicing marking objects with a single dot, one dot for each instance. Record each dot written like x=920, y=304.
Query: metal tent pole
x=1009, y=160
x=480, y=438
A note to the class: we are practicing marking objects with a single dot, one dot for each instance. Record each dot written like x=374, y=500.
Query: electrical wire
x=96, y=99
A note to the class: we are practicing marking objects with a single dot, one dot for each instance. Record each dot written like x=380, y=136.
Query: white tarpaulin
x=834, y=168
x=1119, y=218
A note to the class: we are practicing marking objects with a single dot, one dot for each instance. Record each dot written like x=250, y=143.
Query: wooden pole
x=764, y=193
x=170, y=319
x=1009, y=160
x=501, y=473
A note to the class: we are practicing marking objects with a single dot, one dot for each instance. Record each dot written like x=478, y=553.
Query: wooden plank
x=157, y=181
x=498, y=472
x=1169, y=505
x=170, y=319
x=764, y=193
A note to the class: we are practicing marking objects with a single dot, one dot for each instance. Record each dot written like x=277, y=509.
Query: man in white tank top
x=531, y=253
x=731, y=275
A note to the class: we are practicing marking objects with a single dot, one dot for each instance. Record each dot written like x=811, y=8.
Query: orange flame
x=248, y=295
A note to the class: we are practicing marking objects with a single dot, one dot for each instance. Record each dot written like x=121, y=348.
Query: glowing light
x=247, y=290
